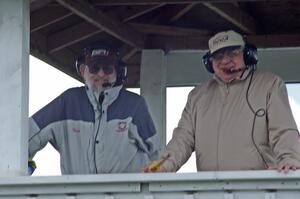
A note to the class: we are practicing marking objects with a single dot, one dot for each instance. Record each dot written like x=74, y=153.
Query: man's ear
x=82, y=69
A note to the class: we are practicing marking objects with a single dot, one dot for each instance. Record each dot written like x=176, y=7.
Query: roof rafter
x=71, y=36
x=149, y=2
x=38, y=48
x=41, y=19
x=195, y=42
x=168, y=30
x=36, y=4
x=85, y=30
x=102, y=21
x=126, y=52
x=183, y=11
x=234, y=15
x=140, y=11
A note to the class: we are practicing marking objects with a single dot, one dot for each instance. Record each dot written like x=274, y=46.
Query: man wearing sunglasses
x=239, y=120
x=100, y=127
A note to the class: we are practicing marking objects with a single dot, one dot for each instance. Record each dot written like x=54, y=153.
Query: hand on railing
x=285, y=167
x=31, y=166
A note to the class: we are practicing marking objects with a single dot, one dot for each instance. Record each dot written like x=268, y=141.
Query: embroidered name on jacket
x=75, y=130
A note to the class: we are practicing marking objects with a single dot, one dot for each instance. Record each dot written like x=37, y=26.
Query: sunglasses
x=107, y=69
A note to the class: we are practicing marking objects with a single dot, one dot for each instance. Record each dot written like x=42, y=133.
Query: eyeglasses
x=107, y=69
x=231, y=53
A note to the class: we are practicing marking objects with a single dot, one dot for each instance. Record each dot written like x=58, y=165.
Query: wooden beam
x=63, y=62
x=234, y=15
x=129, y=54
x=183, y=11
x=40, y=19
x=111, y=26
x=84, y=30
x=152, y=2
x=188, y=42
x=71, y=36
x=168, y=43
x=275, y=40
x=139, y=11
x=37, y=4
x=126, y=52
x=167, y=30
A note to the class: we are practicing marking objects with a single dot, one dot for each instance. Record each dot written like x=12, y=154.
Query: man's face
x=228, y=63
x=98, y=76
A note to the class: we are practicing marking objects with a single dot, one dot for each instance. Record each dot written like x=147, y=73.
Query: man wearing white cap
x=239, y=120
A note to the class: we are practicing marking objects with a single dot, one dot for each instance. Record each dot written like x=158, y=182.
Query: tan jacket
x=218, y=124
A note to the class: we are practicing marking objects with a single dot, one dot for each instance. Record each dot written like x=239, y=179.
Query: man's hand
x=286, y=167
x=155, y=166
x=31, y=166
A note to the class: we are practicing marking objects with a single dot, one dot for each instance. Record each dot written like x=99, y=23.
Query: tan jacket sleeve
x=283, y=133
x=181, y=146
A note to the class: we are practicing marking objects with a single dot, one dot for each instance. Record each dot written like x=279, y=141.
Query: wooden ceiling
x=59, y=29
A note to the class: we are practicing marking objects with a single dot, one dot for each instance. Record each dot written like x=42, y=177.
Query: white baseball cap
x=225, y=39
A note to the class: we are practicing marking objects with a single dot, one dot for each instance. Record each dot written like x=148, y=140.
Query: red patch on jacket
x=122, y=127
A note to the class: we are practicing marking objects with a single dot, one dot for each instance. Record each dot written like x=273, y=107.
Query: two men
x=98, y=128
x=239, y=120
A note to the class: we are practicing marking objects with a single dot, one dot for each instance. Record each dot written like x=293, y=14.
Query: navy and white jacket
x=117, y=136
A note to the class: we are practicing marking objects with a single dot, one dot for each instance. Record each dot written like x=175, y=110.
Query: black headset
x=121, y=68
x=250, y=57
x=79, y=61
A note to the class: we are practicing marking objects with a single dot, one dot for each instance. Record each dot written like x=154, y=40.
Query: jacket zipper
x=95, y=141
x=220, y=122
x=101, y=98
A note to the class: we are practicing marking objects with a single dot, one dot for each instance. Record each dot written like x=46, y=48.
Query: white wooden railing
x=201, y=185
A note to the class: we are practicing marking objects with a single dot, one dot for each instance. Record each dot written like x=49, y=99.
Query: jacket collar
x=110, y=95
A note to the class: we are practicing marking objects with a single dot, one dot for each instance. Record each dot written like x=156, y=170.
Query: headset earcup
x=121, y=72
x=207, y=62
x=77, y=65
x=250, y=55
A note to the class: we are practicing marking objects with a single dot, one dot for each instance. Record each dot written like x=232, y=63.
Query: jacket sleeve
x=181, y=146
x=40, y=131
x=283, y=133
x=148, y=140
